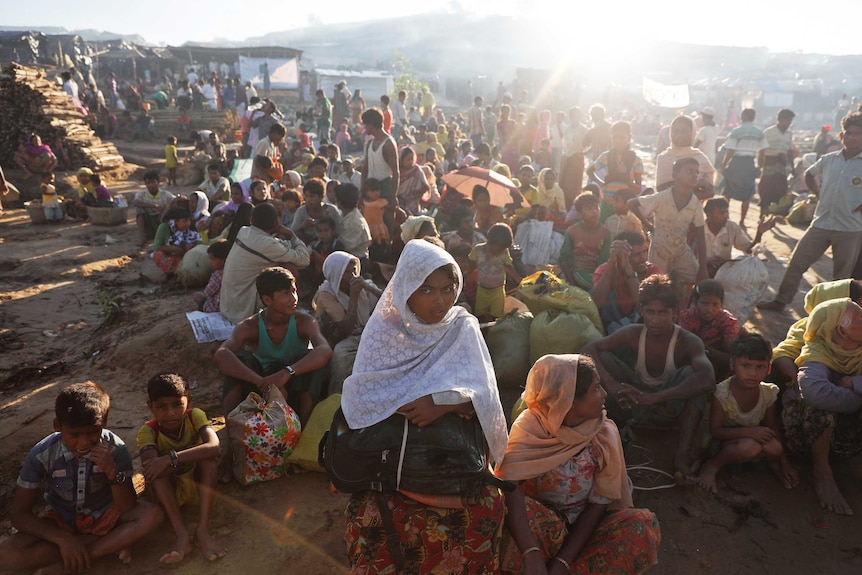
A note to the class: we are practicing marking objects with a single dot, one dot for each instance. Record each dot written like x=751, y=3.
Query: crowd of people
x=368, y=277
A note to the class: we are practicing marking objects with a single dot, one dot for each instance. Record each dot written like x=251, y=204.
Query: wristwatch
x=290, y=370
x=119, y=478
x=175, y=460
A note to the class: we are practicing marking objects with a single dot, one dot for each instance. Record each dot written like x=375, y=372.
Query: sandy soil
x=58, y=282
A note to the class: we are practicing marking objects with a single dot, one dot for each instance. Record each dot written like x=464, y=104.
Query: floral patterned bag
x=263, y=433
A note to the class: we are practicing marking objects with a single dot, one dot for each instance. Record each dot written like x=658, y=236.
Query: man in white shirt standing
x=707, y=135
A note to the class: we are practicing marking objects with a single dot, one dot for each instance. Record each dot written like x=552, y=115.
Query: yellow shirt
x=189, y=436
x=170, y=156
x=49, y=195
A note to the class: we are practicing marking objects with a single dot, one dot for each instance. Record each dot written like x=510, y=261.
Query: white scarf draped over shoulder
x=402, y=359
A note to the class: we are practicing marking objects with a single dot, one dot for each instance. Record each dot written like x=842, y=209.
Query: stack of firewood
x=29, y=102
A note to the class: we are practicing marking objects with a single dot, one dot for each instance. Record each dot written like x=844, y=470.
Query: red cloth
x=624, y=302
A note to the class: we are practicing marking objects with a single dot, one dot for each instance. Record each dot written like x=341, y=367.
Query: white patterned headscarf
x=402, y=359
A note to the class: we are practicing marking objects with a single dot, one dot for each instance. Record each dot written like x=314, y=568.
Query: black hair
x=500, y=235
x=460, y=251
x=318, y=161
x=178, y=214
x=277, y=129
x=265, y=217
x=347, y=195
x=167, y=384
x=272, y=280
x=82, y=404
x=241, y=219
x=96, y=179
x=325, y=221
x=372, y=184
x=291, y=195
x=461, y=213
x=658, y=287
x=586, y=201
x=479, y=191
x=855, y=290
x=713, y=204
x=435, y=241
x=219, y=249
x=213, y=167
x=678, y=165
x=314, y=186
x=708, y=287
x=634, y=238
x=751, y=346
x=372, y=117
x=151, y=175
x=483, y=148
x=586, y=374
x=384, y=99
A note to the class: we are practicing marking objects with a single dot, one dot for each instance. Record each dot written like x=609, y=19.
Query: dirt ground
x=81, y=302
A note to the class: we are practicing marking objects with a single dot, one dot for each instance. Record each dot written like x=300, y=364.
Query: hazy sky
x=786, y=26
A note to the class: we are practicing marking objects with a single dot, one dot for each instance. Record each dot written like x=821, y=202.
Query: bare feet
x=125, y=555
x=210, y=549
x=682, y=473
x=706, y=479
x=829, y=495
x=182, y=546
x=786, y=473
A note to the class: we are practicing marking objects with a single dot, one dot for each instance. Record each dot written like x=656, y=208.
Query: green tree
x=404, y=78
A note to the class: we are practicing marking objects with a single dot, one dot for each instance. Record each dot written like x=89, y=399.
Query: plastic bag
x=194, y=270
x=536, y=241
x=262, y=437
x=745, y=281
x=509, y=345
x=543, y=290
x=555, y=331
x=306, y=452
x=802, y=213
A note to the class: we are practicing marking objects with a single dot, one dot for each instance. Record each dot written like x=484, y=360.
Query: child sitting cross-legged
x=208, y=300
x=744, y=415
x=180, y=453
x=84, y=473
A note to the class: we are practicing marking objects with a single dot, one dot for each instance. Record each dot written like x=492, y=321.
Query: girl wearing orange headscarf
x=568, y=459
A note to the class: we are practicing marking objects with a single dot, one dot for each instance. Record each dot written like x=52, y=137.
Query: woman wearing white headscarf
x=422, y=356
x=343, y=304
x=199, y=205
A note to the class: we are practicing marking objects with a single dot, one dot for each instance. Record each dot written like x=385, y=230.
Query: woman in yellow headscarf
x=568, y=459
x=821, y=410
x=550, y=193
x=785, y=353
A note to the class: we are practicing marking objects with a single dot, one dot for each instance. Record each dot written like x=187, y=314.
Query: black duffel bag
x=447, y=457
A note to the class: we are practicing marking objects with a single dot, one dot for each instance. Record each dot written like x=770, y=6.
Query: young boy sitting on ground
x=208, y=300
x=180, y=453
x=585, y=245
x=279, y=336
x=744, y=417
x=86, y=473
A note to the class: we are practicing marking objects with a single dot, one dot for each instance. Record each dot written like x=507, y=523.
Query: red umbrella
x=499, y=186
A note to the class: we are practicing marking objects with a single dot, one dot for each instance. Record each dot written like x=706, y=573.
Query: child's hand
x=100, y=454
x=155, y=467
x=74, y=553
x=762, y=435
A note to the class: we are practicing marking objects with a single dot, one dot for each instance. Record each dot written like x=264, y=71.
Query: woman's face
x=193, y=203
x=35, y=140
x=550, y=179
x=236, y=195
x=183, y=224
x=589, y=405
x=408, y=160
x=351, y=272
x=435, y=297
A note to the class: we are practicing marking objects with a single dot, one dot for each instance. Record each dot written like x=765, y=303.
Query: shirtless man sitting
x=671, y=379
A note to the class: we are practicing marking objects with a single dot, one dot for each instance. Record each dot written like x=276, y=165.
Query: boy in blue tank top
x=278, y=336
